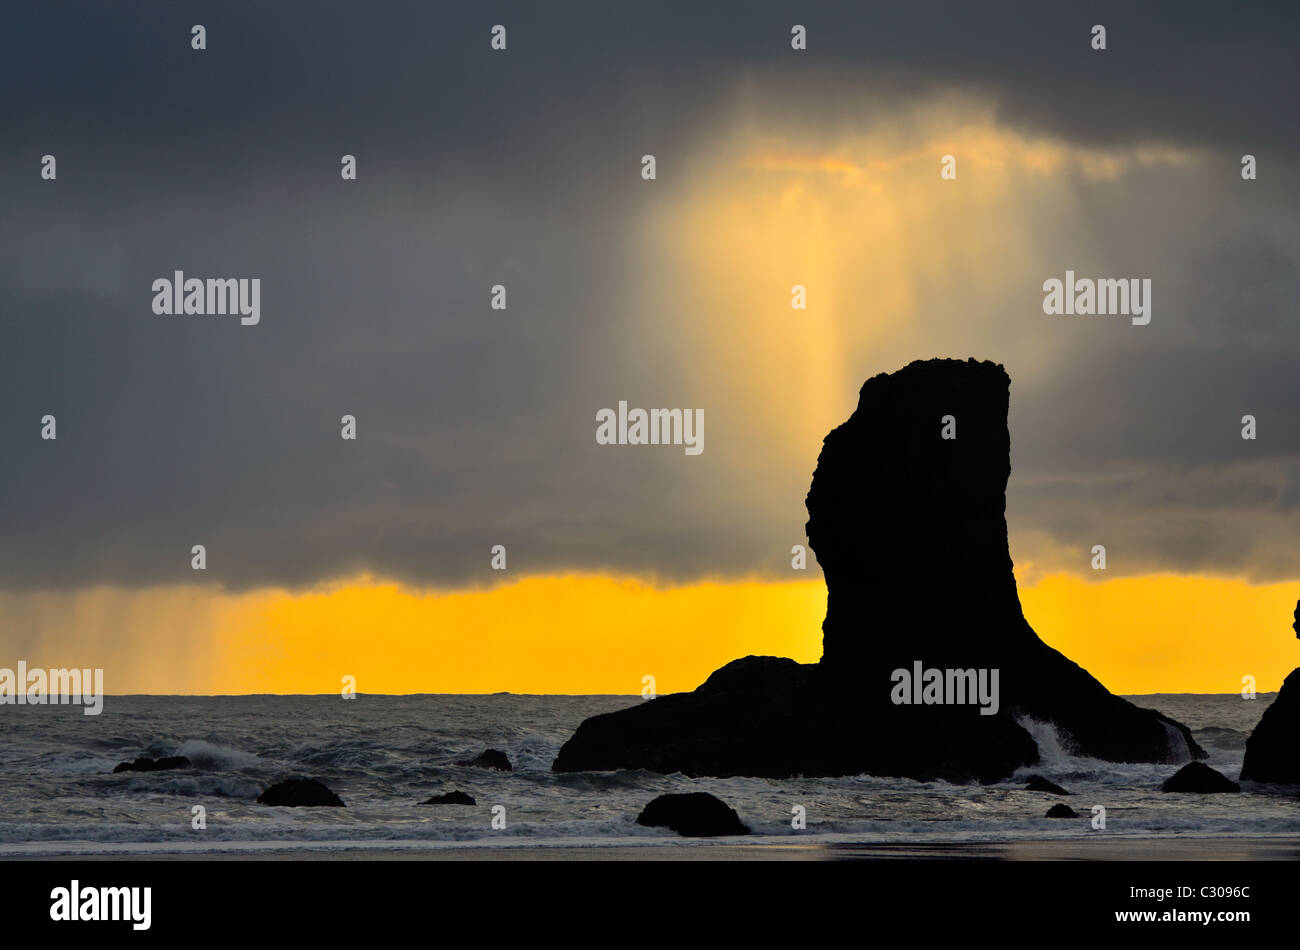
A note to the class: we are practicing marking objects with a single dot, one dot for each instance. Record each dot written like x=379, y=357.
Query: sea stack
x=907, y=520
x=1273, y=749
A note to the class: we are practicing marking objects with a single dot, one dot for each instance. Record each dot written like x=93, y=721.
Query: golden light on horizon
x=602, y=634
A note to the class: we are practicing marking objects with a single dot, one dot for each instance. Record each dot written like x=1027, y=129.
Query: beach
x=1099, y=848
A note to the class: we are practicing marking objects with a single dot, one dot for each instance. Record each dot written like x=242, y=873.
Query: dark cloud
x=288, y=77
x=476, y=168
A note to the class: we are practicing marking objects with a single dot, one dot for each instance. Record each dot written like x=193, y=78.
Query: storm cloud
x=522, y=168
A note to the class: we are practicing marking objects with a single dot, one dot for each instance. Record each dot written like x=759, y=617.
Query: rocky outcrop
x=1037, y=783
x=1061, y=811
x=300, y=793
x=1200, y=778
x=910, y=530
x=451, y=798
x=488, y=759
x=1273, y=749
x=146, y=764
x=773, y=717
x=693, y=815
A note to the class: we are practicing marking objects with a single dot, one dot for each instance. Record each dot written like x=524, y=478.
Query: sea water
x=385, y=754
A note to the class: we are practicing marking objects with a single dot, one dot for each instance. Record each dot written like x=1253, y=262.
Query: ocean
x=385, y=754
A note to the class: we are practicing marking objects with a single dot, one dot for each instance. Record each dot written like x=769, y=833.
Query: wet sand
x=1082, y=849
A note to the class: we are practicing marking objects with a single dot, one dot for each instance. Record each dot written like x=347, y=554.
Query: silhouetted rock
x=910, y=531
x=1061, y=811
x=451, y=798
x=146, y=764
x=300, y=792
x=1037, y=783
x=694, y=815
x=771, y=716
x=1273, y=749
x=1198, y=777
x=488, y=759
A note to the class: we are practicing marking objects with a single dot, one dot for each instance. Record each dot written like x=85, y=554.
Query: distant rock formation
x=488, y=759
x=1061, y=811
x=451, y=798
x=300, y=792
x=693, y=815
x=1273, y=749
x=910, y=530
x=1037, y=783
x=146, y=764
x=1199, y=777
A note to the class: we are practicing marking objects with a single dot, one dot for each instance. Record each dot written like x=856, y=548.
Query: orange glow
x=1166, y=633
x=569, y=634
x=600, y=634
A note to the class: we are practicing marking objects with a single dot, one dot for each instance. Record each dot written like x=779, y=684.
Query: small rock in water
x=451, y=798
x=1061, y=811
x=693, y=815
x=489, y=759
x=146, y=764
x=300, y=792
x=1199, y=777
x=1039, y=784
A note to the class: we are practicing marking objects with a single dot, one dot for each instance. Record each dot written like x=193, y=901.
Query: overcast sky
x=476, y=427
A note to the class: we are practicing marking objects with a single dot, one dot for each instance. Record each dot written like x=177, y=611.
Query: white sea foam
x=208, y=755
